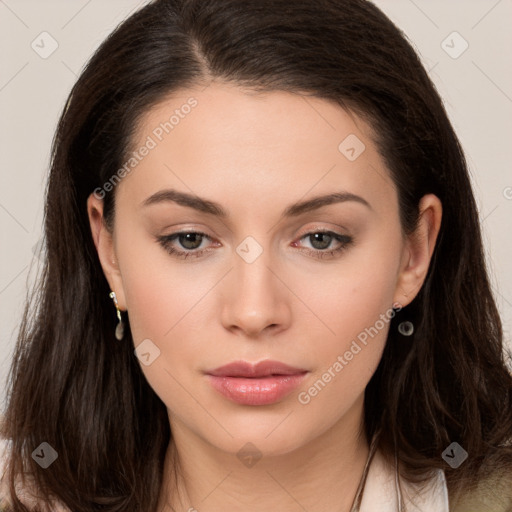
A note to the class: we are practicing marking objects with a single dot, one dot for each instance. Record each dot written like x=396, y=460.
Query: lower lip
x=256, y=391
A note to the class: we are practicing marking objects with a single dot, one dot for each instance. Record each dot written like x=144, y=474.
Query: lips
x=264, y=383
x=248, y=370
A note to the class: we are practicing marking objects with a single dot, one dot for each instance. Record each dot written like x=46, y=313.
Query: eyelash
x=166, y=240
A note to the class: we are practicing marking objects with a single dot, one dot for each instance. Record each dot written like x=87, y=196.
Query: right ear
x=104, y=243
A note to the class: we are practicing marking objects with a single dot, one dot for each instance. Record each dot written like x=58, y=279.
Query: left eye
x=322, y=240
x=191, y=241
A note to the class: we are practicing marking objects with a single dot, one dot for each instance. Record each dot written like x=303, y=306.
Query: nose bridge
x=252, y=275
x=251, y=267
x=255, y=298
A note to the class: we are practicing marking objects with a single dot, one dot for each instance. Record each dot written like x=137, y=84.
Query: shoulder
x=384, y=486
x=491, y=495
x=24, y=491
x=385, y=489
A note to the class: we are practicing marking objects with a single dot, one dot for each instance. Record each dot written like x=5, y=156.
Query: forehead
x=235, y=144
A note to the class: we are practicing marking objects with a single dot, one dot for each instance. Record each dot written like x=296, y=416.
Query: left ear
x=418, y=250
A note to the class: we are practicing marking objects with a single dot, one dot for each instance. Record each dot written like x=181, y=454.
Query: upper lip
x=261, y=369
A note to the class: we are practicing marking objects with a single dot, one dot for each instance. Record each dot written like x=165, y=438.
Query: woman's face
x=259, y=285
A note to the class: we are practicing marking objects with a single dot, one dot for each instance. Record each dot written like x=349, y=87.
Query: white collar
x=382, y=491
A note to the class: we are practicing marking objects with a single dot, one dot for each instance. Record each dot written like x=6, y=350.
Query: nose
x=256, y=300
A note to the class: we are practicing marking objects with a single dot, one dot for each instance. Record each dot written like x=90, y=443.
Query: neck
x=322, y=474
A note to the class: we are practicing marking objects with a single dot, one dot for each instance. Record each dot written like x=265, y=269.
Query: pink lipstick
x=263, y=383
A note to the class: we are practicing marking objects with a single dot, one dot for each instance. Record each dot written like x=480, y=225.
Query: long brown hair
x=75, y=387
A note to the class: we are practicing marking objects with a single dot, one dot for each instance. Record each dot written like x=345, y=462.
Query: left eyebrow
x=213, y=208
x=317, y=202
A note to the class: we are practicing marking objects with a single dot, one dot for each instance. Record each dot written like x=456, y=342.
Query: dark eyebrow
x=212, y=208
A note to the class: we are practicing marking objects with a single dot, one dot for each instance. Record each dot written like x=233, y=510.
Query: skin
x=255, y=154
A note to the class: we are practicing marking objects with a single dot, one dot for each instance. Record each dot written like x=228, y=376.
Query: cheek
x=166, y=303
x=166, y=307
x=354, y=294
x=159, y=290
x=161, y=309
x=355, y=307
x=346, y=361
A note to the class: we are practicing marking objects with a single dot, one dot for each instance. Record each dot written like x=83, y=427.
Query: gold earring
x=120, y=325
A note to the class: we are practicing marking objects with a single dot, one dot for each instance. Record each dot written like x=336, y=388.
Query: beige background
x=476, y=87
